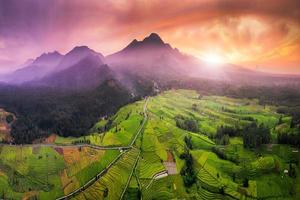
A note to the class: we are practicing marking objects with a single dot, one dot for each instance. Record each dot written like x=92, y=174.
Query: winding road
x=99, y=175
x=123, y=150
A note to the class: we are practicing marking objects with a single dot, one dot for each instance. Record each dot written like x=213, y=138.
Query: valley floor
x=138, y=154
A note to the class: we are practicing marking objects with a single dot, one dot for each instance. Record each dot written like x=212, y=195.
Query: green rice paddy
x=46, y=173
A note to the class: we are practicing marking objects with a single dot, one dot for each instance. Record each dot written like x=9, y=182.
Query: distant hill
x=76, y=55
x=35, y=69
x=81, y=68
x=151, y=59
x=87, y=73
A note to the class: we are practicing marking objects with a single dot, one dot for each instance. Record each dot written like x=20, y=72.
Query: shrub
x=187, y=123
x=245, y=182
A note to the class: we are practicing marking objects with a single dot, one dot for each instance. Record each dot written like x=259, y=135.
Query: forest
x=42, y=111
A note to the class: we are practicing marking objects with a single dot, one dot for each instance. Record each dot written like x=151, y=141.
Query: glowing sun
x=212, y=58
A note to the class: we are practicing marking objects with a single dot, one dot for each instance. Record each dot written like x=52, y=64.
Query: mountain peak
x=153, y=38
x=81, y=49
x=76, y=54
x=49, y=54
x=133, y=44
x=48, y=58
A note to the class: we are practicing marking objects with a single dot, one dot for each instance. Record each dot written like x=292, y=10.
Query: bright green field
x=158, y=148
x=113, y=181
x=124, y=125
x=45, y=173
x=264, y=167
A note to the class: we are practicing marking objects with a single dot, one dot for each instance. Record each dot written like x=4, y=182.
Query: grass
x=124, y=125
x=91, y=170
x=149, y=165
x=159, y=189
x=45, y=173
x=113, y=181
x=161, y=135
x=32, y=169
x=53, y=172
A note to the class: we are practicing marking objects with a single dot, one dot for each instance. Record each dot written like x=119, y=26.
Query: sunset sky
x=263, y=35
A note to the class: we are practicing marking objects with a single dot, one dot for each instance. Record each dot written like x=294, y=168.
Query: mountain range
x=67, y=94
x=152, y=58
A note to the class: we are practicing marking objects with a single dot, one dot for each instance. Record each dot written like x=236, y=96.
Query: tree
x=222, y=190
x=9, y=118
x=105, y=192
x=245, y=182
x=188, y=141
x=224, y=133
x=279, y=120
x=289, y=138
x=292, y=171
x=187, y=172
x=187, y=123
x=254, y=136
x=42, y=111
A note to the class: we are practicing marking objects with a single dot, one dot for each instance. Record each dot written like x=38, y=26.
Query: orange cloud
x=242, y=32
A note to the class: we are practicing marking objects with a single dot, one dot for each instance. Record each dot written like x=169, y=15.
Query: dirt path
x=99, y=175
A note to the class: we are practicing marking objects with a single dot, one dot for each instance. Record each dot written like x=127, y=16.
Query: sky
x=263, y=35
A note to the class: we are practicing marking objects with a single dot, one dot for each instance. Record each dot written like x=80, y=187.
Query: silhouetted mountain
x=52, y=69
x=76, y=89
x=151, y=57
x=75, y=55
x=48, y=59
x=155, y=59
x=35, y=69
x=152, y=41
x=26, y=63
x=87, y=73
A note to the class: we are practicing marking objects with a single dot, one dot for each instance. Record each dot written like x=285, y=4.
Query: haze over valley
x=149, y=100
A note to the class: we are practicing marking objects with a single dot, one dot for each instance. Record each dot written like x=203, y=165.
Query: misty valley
x=149, y=100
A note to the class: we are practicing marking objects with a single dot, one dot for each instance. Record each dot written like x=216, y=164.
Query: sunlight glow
x=212, y=58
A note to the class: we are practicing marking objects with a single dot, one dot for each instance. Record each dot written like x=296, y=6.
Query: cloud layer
x=264, y=34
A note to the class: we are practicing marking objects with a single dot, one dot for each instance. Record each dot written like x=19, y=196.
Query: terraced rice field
x=112, y=184
x=124, y=125
x=46, y=172
x=206, y=195
x=60, y=171
x=149, y=165
x=217, y=178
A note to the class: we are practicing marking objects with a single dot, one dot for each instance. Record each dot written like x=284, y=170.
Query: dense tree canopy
x=188, y=124
x=42, y=111
x=224, y=132
x=255, y=135
x=187, y=172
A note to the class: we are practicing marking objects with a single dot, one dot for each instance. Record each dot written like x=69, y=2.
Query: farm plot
x=117, y=130
x=222, y=171
x=31, y=169
x=149, y=165
x=159, y=189
x=211, y=111
x=112, y=184
x=45, y=172
x=82, y=164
